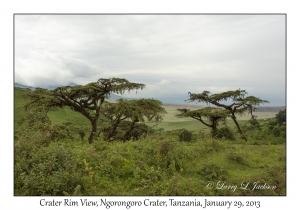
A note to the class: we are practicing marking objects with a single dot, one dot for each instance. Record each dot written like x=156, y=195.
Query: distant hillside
x=196, y=106
x=270, y=108
x=23, y=86
x=113, y=97
x=52, y=87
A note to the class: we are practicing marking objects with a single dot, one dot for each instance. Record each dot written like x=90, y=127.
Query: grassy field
x=171, y=122
x=148, y=167
x=158, y=164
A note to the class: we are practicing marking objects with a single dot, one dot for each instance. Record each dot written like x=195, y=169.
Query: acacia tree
x=239, y=103
x=115, y=112
x=85, y=99
x=141, y=110
x=212, y=114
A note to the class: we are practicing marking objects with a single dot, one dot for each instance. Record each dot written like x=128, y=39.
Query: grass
x=153, y=167
x=158, y=165
x=68, y=116
x=171, y=122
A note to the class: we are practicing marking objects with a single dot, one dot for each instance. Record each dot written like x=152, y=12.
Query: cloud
x=171, y=54
x=164, y=82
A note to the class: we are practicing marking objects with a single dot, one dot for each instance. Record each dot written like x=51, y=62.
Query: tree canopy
x=141, y=110
x=236, y=102
x=85, y=99
x=213, y=116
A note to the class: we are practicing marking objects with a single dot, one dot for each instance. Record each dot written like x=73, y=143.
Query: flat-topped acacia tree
x=238, y=103
x=141, y=110
x=85, y=99
x=213, y=116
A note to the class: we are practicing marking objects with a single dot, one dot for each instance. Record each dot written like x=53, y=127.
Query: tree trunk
x=213, y=130
x=126, y=135
x=112, y=130
x=111, y=133
x=94, y=130
x=238, y=127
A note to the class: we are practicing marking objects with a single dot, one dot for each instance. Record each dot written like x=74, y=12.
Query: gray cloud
x=171, y=54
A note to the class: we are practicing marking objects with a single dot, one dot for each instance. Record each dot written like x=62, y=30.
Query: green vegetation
x=212, y=114
x=135, y=111
x=239, y=103
x=84, y=99
x=178, y=156
x=281, y=117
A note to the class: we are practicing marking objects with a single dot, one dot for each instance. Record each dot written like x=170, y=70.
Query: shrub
x=212, y=146
x=237, y=158
x=48, y=171
x=185, y=135
x=139, y=131
x=81, y=134
x=276, y=131
x=281, y=117
x=225, y=133
x=59, y=132
x=165, y=147
x=213, y=172
x=277, y=177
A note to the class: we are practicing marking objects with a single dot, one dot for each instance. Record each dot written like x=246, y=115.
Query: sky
x=171, y=54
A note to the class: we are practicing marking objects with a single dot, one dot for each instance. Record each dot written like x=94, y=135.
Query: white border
x=8, y=8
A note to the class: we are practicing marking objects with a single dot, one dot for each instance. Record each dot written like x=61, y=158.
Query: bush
x=48, y=171
x=276, y=131
x=212, y=146
x=139, y=131
x=281, y=117
x=165, y=147
x=225, y=133
x=233, y=157
x=185, y=135
x=81, y=134
x=278, y=178
x=213, y=172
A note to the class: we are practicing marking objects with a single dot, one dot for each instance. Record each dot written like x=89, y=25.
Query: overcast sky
x=171, y=54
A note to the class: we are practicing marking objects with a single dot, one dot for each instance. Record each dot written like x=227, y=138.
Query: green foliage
x=48, y=171
x=59, y=132
x=147, y=167
x=50, y=158
x=266, y=132
x=166, y=147
x=281, y=117
x=36, y=118
x=86, y=99
x=225, y=133
x=139, y=131
x=212, y=146
x=276, y=131
x=134, y=111
x=236, y=158
x=254, y=122
x=185, y=135
x=81, y=134
x=277, y=176
x=213, y=172
x=239, y=103
x=212, y=114
x=77, y=191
